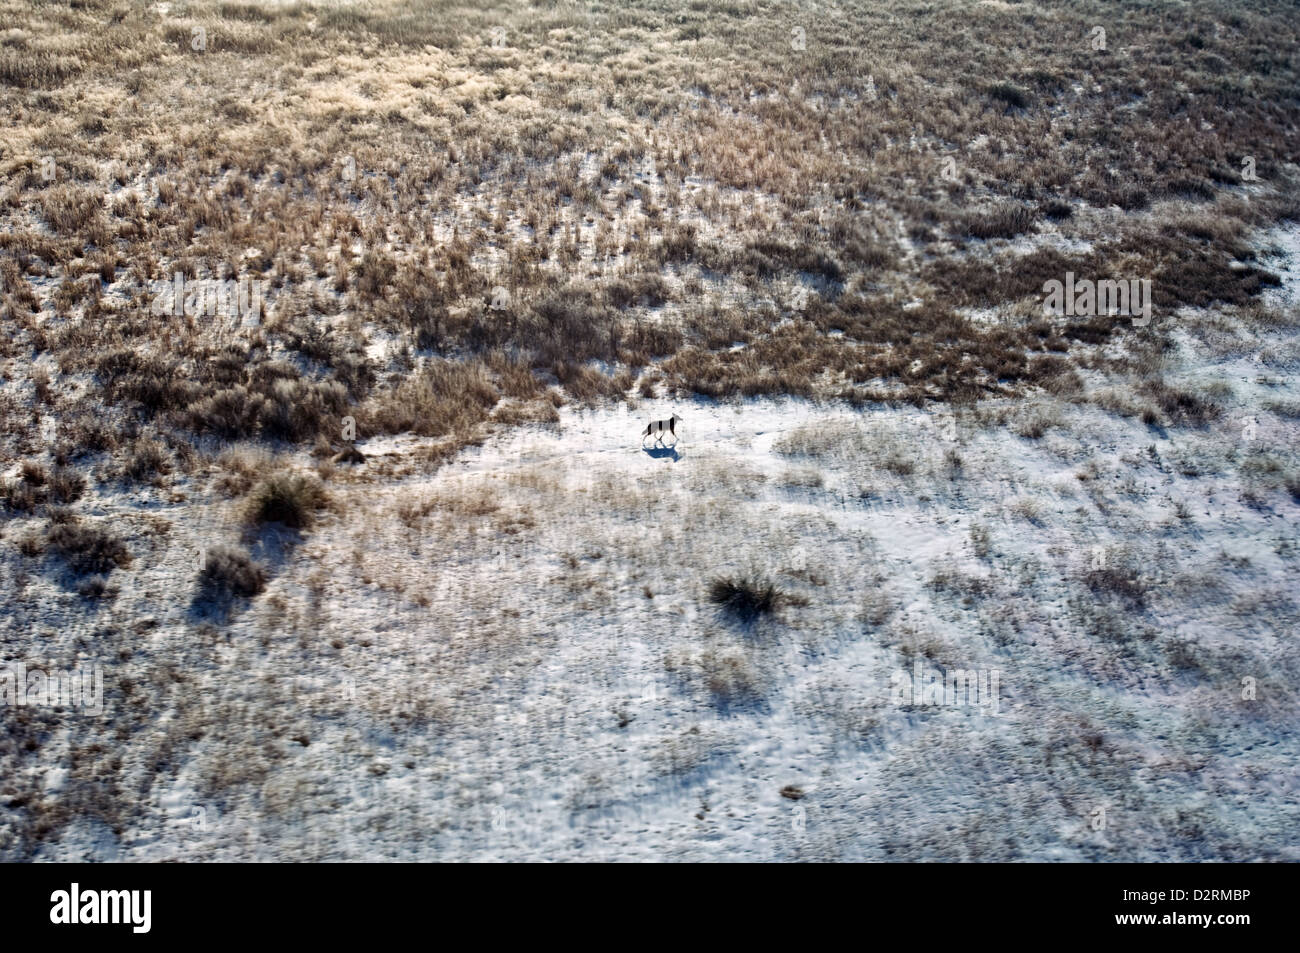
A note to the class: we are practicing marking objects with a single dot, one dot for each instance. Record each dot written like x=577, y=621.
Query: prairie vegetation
x=487, y=240
x=563, y=195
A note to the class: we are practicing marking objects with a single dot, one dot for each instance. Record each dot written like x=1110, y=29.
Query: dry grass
x=745, y=597
x=228, y=571
x=667, y=194
x=290, y=499
x=727, y=675
x=443, y=168
x=87, y=547
x=37, y=486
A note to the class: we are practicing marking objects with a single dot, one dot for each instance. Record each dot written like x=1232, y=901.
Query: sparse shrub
x=20, y=496
x=802, y=478
x=898, y=464
x=231, y=413
x=61, y=514
x=95, y=587
x=1289, y=409
x=1120, y=581
x=316, y=341
x=1013, y=96
x=914, y=643
x=1131, y=198
x=72, y=211
x=446, y=396
x=1056, y=375
x=36, y=69
x=515, y=378
x=533, y=412
x=41, y=385
x=648, y=289
x=89, y=433
x=1182, y=655
x=729, y=676
x=1006, y=222
x=948, y=578
x=573, y=324
x=1185, y=187
x=155, y=382
x=87, y=548
x=588, y=383
x=1183, y=406
x=1056, y=211
x=242, y=468
x=228, y=571
x=66, y=485
x=1202, y=277
x=299, y=410
x=1028, y=509
x=767, y=259
x=38, y=486
x=288, y=498
x=726, y=675
x=678, y=245
x=878, y=604
x=146, y=459
x=376, y=270
x=1036, y=423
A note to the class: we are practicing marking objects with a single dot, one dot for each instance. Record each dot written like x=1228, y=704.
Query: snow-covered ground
x=515, y=656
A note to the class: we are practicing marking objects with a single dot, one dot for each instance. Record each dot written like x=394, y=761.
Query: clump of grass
x=1028, y=509
x=726, y=675
x=746, y=597
x=38, y=486
x=444, y=397
x=729, y=677
x=1056, y=210
x=19, y=496
x=1005, y=222
x=1182, y=655
x=66, y=485
x=1119, y=581
x=95, y=587
x=1013, y=96
x=803, y=478
x=291, y=499
x=898, y=464
x=146, y=459
x=1183, y=406
x=242, y=468
x=232, y=412
x=87, y=548
x=1036, y=423
x=878, y=605
x=228, y=571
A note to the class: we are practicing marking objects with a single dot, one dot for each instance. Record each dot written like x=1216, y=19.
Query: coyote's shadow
x=662, y=453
